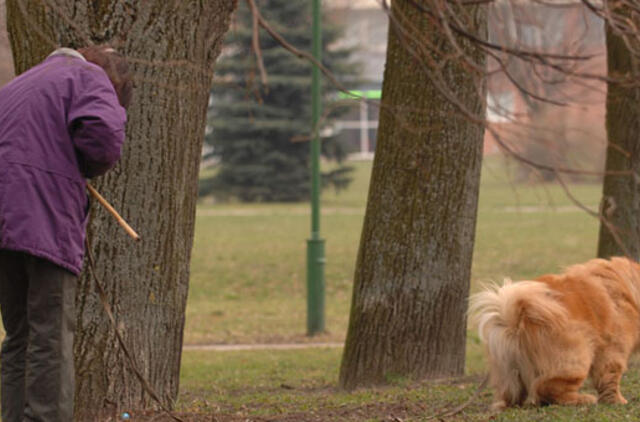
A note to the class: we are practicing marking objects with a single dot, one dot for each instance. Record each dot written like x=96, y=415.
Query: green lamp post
x=315, y=245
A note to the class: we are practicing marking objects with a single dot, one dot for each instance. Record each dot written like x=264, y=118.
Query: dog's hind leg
x=563, y=390
x=606, y=374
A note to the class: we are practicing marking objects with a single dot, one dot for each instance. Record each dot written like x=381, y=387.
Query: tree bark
x=6, y=63
x=621, y=194
x=172, y=46
x=408, y=313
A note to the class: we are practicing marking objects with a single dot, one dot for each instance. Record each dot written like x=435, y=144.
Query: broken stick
x=113, y=212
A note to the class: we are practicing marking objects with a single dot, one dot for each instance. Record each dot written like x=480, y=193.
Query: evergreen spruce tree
x=260, y=133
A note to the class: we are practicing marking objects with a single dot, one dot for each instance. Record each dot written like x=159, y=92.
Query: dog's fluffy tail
x=511, y=319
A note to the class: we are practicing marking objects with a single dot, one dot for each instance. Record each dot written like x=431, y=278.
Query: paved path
x=252, y=212
x=239, y=347
x=528, y=209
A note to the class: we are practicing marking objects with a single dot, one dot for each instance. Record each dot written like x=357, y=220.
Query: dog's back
x=543, y=336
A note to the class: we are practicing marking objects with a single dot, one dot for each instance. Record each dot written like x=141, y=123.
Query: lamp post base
x=315, y=286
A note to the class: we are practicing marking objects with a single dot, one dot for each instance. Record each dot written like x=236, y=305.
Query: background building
x=571, y=135
x=565, y=26
x=366, y=32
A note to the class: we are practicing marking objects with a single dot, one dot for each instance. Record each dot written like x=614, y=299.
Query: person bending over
x=61, y=122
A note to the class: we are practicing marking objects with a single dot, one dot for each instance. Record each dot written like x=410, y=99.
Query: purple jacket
x=60, y=122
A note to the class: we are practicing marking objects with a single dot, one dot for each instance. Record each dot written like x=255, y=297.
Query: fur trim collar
x=64, y=51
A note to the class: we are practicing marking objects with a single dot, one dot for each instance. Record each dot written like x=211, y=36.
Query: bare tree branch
x=255, y=39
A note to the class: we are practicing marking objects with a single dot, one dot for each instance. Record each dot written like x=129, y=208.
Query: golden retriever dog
x=544, y=337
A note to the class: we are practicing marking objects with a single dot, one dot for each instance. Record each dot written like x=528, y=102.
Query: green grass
x=248, y=268
x=248, y=286
x=301, y=385
x=269, y=383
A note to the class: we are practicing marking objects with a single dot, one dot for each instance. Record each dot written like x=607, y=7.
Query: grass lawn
x=300, y=386
x=249, y=271
x=248, y=267
x=248, y=286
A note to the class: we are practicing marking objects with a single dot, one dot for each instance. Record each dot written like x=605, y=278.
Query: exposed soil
x=397, y=412
x=401, y=411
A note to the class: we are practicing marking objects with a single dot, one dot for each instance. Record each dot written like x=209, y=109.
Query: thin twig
x=255, y=41
x=299, y=53
x=460, y=408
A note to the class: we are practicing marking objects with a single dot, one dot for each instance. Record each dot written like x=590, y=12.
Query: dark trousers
x=37, y=302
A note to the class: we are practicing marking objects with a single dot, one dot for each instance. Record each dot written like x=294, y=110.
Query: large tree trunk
x=172, y=46
x=412, y=276
x=621, y=192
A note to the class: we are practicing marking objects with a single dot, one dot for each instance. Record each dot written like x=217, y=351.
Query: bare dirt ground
x=402, y=410
x=397, y=412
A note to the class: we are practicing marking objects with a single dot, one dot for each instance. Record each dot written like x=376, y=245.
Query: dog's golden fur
x=544, y=337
